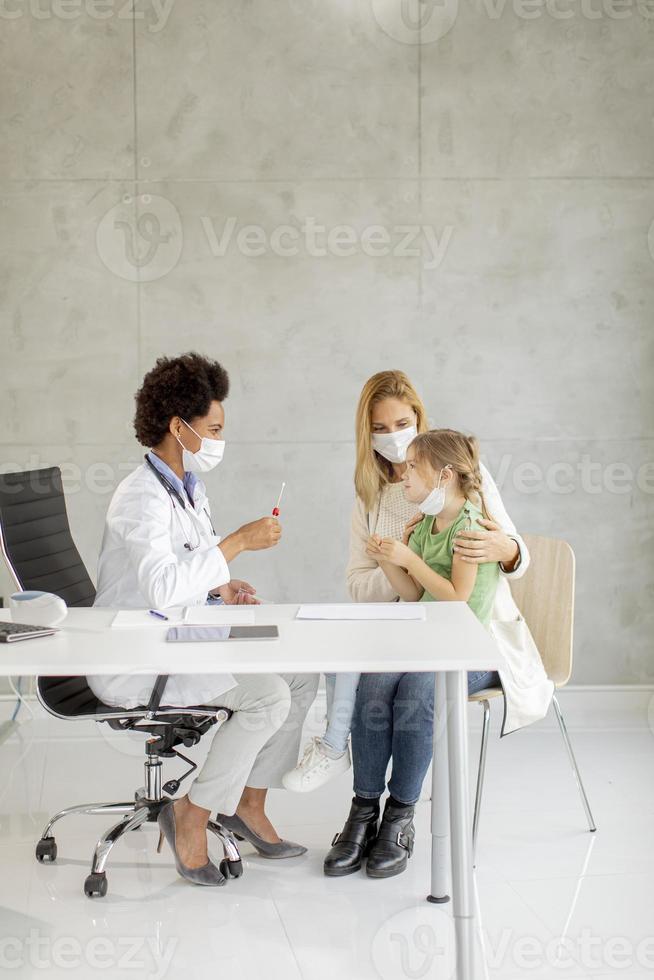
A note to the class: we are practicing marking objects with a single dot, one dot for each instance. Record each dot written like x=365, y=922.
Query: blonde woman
x=389, y=417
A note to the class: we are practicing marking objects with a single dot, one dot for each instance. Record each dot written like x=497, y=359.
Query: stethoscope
x=174, y=495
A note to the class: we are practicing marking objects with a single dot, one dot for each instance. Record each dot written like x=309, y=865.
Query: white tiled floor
x=554, y=900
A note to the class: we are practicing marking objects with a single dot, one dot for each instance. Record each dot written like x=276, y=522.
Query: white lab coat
x=143, y=564
x=527, y=689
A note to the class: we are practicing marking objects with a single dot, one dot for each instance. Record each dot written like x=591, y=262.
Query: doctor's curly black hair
x=184, y=386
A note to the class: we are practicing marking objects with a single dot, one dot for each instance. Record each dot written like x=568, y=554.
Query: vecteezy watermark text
x=420, y=944
x=150, y=957
x=426, y=21
x=316, y=240
x=142, y=239
x=154, y=13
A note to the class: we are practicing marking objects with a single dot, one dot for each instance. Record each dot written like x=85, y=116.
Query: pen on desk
x=158, y=615
x=276, y=511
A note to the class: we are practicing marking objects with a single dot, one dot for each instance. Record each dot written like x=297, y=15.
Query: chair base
x=134, y=815
x=143, y=809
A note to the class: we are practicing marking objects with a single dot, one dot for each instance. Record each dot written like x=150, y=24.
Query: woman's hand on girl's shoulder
x=411, y=526
x=485, y=543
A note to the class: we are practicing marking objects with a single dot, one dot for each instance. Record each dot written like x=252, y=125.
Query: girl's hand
x=411, y=526
x=238, y=593
x=372, y=547
x=490, y=545
x=395, y=552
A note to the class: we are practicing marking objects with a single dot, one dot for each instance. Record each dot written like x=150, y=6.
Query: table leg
x=440, y=799
x=461, y=827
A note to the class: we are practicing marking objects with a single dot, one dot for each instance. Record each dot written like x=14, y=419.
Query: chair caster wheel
x=231, y=869
x=46, y=849
x=96, y=884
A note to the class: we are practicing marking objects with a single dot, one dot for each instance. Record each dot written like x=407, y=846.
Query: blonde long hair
x=372, y=472
x=439, y=448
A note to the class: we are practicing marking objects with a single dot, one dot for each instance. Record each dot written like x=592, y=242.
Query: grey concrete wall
x=469, y=199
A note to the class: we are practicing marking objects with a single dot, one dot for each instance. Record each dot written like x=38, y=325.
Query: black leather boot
x=354, y=841
x=393, y=847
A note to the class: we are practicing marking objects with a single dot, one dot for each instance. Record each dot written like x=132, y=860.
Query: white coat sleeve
x=498, y=512
x=143, y=523
x=366, y=581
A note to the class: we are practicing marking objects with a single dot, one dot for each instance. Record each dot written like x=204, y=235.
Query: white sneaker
x=315, y=768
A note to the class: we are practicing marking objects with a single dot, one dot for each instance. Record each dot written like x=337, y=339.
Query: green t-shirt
x=436, y=551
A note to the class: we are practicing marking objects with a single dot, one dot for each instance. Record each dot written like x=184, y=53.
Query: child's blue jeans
x=341, y=697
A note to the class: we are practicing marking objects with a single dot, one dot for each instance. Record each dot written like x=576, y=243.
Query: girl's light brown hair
x=372, y=471
x=439, y=448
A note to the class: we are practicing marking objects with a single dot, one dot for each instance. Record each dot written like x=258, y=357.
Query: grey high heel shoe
x=208, y=874
x=285, y=848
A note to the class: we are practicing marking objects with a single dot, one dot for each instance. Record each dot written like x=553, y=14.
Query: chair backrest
x=67, y=697
x=35, y=536
x=545, y=596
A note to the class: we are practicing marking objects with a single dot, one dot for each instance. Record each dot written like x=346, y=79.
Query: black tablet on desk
x=204, y=634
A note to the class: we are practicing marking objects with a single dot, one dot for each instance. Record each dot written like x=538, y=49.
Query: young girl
x=443, y=478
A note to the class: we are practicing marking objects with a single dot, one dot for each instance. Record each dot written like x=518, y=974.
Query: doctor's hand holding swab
x=256, y=536
x=261, y=534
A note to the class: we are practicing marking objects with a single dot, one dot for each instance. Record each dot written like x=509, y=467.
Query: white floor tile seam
x=593, y=920
x=555, y=937
x=587, y=876
x=288, y=938
x=642, y=878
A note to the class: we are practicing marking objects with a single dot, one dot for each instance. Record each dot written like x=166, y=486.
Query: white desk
x=450, y=642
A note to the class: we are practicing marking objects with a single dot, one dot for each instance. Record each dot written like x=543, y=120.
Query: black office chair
x=40, y=553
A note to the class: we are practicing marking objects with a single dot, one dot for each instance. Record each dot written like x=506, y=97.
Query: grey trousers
x=259, y=743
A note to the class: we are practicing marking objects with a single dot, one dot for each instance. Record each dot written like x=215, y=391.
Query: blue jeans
x=341, y=695
x=394, y=718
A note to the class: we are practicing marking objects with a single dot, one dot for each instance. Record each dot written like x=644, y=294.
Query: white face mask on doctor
x=209, y=454
x=435, y=501
x=393, y=445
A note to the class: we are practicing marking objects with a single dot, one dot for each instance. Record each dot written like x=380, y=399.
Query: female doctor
x=160, y=549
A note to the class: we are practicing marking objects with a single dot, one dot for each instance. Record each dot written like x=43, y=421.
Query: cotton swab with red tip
x=276, y=511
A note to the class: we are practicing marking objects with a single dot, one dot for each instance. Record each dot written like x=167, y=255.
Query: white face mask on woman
x=393, y=445
x=435, y=501
x=209, y=454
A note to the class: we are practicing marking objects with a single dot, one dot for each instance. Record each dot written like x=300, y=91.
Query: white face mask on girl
x=209, y=454
x=435, y=501
x=393, y=445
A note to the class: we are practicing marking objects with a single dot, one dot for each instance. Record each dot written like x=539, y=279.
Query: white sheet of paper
x=364, y=610
x=137, y=618
x=219, y=615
